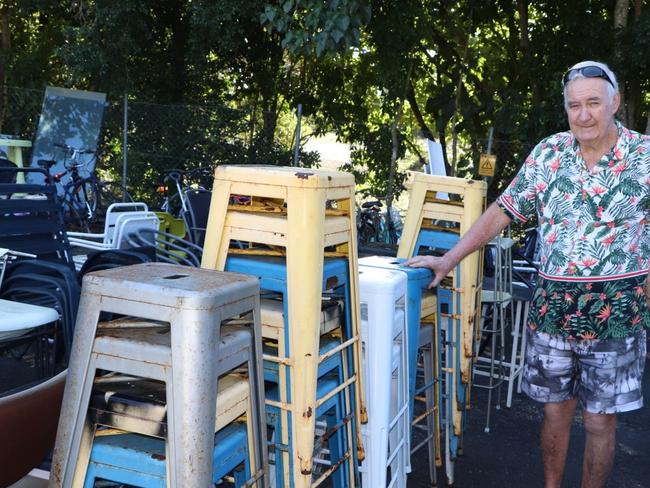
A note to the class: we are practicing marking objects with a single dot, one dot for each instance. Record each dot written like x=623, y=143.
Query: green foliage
x=317, y=27
x=371, y=160
x=231, y=74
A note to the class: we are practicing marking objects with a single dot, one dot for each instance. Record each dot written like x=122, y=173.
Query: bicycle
x=84, y=198
x=181, y=181
x=375, y=226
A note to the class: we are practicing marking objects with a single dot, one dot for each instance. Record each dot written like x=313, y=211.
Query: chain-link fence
x=165, y=136
x=158, y=137
x=19, y=111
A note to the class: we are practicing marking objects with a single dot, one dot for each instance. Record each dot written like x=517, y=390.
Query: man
x=589, y=188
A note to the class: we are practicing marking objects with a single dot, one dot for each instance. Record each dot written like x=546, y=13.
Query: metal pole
x=489, y=142
x=488, y=179
x=296, y=147
x=125, y=140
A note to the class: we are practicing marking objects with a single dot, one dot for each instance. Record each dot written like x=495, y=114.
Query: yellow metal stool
x=302, y=212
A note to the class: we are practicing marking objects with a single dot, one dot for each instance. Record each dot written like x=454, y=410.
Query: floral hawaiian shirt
x=593, y=224
x=594, y=232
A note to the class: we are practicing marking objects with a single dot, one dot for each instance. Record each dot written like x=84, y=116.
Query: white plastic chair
x=115, y=214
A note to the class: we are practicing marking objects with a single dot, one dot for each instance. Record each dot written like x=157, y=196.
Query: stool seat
x=273, y=272
x=171, y=286
x=140, y=406
x=277, y=227
x=273, y=320
x=18, y=318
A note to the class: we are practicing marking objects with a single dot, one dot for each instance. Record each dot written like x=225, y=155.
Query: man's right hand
x=441, y=266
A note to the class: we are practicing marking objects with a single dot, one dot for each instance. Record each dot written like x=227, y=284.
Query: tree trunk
x=443, y=141
x=633, y=90
x=410, y=97
x=524, y=45
x=5, y=47
x=621, y=10
x=391, y=170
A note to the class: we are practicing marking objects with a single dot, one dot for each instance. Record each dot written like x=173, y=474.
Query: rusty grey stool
x=194, y=302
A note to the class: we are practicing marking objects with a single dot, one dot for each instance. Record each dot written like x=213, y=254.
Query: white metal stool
x=385, y=353
x=194, y=302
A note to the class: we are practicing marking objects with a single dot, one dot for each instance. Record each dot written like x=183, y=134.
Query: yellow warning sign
x=487, y=164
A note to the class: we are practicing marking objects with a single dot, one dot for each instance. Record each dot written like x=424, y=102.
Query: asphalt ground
x=509, y=455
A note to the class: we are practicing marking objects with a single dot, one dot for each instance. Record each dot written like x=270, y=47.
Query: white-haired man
x=589, y=188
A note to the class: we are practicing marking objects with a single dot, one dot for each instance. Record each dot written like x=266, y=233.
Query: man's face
x=589, y=109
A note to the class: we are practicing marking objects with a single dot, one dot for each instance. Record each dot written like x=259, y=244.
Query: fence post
x=296, y=148
x=125, y=140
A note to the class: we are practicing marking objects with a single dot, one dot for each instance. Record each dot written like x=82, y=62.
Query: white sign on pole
x=436, y=163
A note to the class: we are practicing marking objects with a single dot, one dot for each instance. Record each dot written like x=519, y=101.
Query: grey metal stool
x=194, y=302
x=138, y=405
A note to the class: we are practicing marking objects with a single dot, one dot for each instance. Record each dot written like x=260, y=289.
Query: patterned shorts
x=604, y=374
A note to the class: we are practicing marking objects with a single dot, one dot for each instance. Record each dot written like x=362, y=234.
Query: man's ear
x=616, y=102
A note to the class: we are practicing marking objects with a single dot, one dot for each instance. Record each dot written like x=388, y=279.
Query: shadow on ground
x=509, y=455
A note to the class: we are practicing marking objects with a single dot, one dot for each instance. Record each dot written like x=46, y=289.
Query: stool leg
x=194, y=381
x=524, y=336
x=428, y=357
x=75, y=403
x=413, y=221
x=305, y=271
x=282, y=461
x=258, y=453
x=82, y=470
x=214, y=256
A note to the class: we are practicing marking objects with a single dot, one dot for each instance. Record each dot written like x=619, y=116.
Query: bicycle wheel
x=77, y=204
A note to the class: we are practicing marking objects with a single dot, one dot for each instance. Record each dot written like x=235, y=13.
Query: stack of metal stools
x=386, y=370
x=421, y=313
x=302, y=216
x=434, y=224
x=334, y=324
x=173, y=334
x=497, y=314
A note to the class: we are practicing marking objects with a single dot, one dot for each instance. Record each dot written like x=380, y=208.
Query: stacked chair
x=184, y=366
x=31, y=221
x=122, y=219
x=24, y=324
x=434, y=225
x=298, y=233
x=196, y=215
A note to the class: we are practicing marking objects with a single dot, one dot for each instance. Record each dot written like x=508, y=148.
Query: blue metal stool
x=139, y=460
x=272, y=273
x=417, y=281
x=332, y=410
x=450, y=336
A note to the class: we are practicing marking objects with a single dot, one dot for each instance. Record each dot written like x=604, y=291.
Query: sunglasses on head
x=587, y=72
